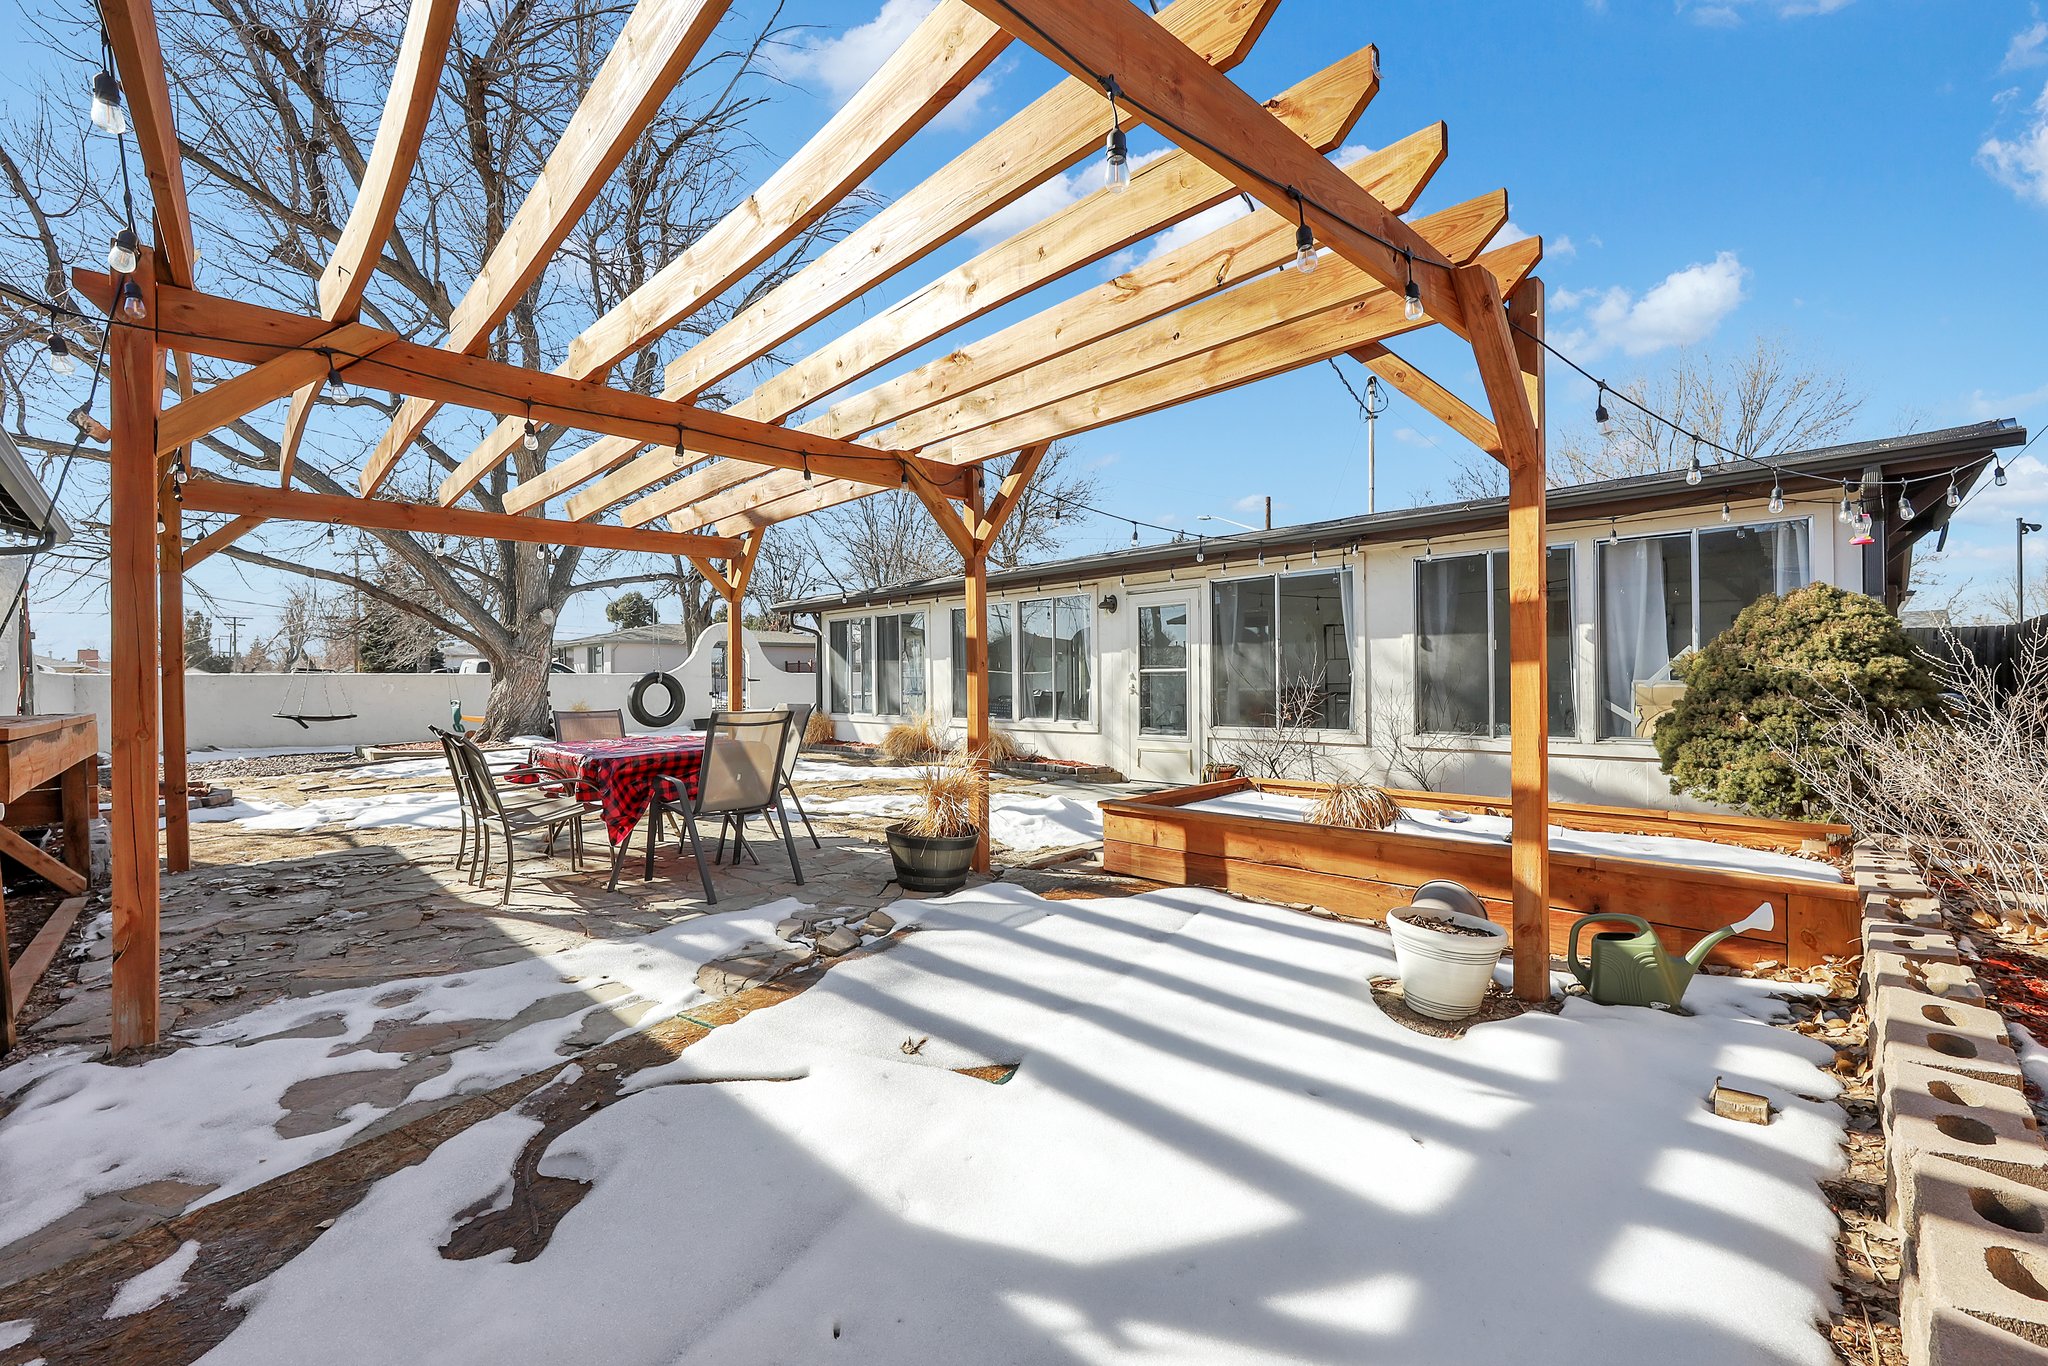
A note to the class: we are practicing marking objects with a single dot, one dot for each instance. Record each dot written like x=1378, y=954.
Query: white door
x=1162, y=690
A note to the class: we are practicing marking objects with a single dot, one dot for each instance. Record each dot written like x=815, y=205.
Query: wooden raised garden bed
x=1366, y=873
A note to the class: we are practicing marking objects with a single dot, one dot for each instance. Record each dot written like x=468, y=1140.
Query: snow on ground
x=151, y=1287
x=422, y=810
x=214, y=756
x=207, y=1113
x=1016, y=819
x=1496, y=829
x=1216, y=1149
x=2033, y=1054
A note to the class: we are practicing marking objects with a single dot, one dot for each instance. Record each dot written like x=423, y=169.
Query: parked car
x=483, y=666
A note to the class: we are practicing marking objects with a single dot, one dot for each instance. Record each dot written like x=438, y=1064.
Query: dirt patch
x=1498, y=1004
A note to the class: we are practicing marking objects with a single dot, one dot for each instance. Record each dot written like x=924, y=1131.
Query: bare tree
x=277, y=106
x=784, y=571
x=1051, y=503
x=1761, y=402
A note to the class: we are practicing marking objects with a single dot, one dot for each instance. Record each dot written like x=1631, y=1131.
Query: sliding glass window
x=1461, y=643
x=1283, y=651
x=1661, y=596
x=876, y=665
x=1041, y=650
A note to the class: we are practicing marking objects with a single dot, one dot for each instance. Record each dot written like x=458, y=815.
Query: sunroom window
x=1283, y=651
x=1663, y=595
x=876, y=665
x=1041, y=660
x=1461, y=643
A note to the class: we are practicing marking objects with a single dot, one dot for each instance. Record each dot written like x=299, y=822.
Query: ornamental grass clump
x=819, y=730
x=945, y=792
x=1001, y=749
x=913, y=738
x=1777, y=682
x=1354, y=806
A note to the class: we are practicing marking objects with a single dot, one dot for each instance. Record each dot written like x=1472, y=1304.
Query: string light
x=1998, y=473
x=1905, y=505
x=107, y=115
x=1118, y=147
x=1304, y=235
x=1134, y=533
x=1602, y=419
x=1777, y=496
x=1693, y=472
x=1201, y=550
x=336, y=390
x=531, y=439
x=1847, y=513
x=807, y=467
x=132, y=305
x=124, y=252
x=62, y=363
x=1411, y=303
x=1954, y=496
x=1726, y=515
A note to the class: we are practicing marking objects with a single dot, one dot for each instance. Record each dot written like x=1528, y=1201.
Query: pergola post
x=171, y=651
x=1505, y=370
x=136, y=374
x=976, y=642
x=734, y=589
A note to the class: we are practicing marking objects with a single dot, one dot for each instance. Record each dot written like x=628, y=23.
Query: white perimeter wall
x=238, y=711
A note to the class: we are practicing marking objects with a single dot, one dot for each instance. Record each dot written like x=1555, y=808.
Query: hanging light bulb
x=1726, y=515
x=61, y=360
x=1693, y=472
x=107, y=115
x=807, y=467
x=1846, y=512
x=1134, y=533
x=1117, y=147
x=1602, y=419
x=1201, y=552
x=1905, y=505
x=1411, y=304
x=531, y=440
x=1954, y=496
x=132, y=306
x=1998, y=475
x=1862, y=536
x=1777, y=496
x=336, y=390
x=123, y=252
x=1304, y=235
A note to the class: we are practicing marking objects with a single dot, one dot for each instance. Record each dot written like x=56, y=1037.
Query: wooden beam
x=170, y=569
x=1079, y=365
x=1500, y=370
x=231, y=399
x=136, y=366
x=739, y=570
x=230, y=330
x=139, y=61
x=218, y=539
x=1191, y=104
x=979, y=731
x=939, y=60
x=1051, y=134
x=950, y=523
x=408, y=104
x=1304, y=343
x=67, y=880
x=654, y=49
x=1217, y=260
x=377, y=514
x=1460, y=416
x=989, y=525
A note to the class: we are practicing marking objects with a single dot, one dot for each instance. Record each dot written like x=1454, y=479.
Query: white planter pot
x=1444, y=976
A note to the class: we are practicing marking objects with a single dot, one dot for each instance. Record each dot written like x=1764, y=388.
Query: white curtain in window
x=1633, y=641
x=1791, y=557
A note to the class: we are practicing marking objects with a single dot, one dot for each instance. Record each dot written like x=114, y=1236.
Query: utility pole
x=234, y=625
x=2019, y=552
x=356, y=636
x=1269, y=512
x=1375, y=404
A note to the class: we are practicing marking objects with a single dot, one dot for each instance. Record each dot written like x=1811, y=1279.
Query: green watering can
x=1631, y=968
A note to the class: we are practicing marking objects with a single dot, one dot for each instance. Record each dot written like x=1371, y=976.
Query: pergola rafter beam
x=945, y=53
x=1439, y=402
x=1093, y=355
x=654, y=48
x=139, y=61
x=1031, y=147
x=1198, y=108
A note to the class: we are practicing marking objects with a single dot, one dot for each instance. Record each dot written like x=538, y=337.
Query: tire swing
x=671, y=708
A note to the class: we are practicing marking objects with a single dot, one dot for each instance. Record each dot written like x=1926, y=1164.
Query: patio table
x=622, y=774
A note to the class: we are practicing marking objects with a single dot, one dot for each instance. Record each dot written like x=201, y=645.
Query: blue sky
x=1866, y=178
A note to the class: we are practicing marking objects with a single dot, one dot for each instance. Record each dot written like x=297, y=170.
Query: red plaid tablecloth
x=623, y=771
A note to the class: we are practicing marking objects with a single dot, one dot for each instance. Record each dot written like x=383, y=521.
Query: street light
x=2019, y=548
x=1205, y=517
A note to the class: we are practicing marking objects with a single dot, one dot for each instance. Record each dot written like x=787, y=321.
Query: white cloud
x=2024, y=495
x=1044, y=200
x=1729, y=13
x=2029, y=47
x=1985, y=406
x=2021, y=163
x=1682, y=310
x=840, y=64
x=1200, y=225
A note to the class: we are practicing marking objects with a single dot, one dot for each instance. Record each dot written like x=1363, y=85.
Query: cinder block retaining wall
x=1967, y=1166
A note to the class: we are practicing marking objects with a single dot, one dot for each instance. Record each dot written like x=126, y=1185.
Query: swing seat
x=303, y=720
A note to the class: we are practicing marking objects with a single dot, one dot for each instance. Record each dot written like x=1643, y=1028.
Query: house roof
x=25, y=507
x=666, y=633
x=1919, y=453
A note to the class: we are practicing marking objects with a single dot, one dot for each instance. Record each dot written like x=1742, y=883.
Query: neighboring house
x=29, y=524
x=1385, y=635
x=644, y=649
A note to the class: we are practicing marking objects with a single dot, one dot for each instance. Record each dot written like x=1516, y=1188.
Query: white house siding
x=1584, y=767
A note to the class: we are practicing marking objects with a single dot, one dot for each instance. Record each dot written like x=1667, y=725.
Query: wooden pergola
x=687, y=480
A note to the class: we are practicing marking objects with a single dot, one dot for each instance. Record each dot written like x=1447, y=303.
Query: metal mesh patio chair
x=792, y=749
x=590, y=725
x=740, y=777
x=516, y=814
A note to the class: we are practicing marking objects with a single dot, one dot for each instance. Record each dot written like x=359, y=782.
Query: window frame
x=1496, y=639
x=1015, y=606
x=1350, y=613
x=864, y=683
